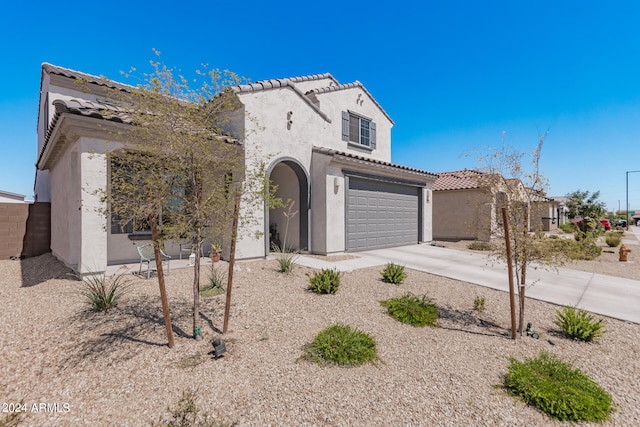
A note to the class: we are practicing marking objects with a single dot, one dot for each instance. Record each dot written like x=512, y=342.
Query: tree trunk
x=523, y=273
x=512, y=302
x=521, y=298
x=197, y=328
x=155, y=237
x=232, y=260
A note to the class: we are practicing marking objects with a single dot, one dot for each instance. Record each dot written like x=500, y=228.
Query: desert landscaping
x=115, y=368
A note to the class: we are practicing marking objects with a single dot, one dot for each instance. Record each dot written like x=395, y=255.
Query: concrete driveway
x=610, y=296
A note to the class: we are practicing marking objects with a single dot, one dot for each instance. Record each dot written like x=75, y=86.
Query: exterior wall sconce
x=289, y=121
x=336, y=183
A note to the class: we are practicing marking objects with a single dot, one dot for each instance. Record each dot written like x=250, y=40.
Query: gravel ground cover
x=115, y=368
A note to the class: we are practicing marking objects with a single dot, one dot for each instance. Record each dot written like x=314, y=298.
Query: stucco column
x=93, y=223
x=427, y=214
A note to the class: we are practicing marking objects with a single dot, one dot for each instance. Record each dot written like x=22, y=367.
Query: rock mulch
x=115, y=368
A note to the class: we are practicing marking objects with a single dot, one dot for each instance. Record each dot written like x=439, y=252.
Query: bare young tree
x=180, y=172
x=516, y=185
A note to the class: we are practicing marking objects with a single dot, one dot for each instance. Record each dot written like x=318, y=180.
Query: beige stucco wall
x=461, y=215
x=274, y=125
x=281, y=124
x=65, y=208
x=543, y=216
x=427, y=213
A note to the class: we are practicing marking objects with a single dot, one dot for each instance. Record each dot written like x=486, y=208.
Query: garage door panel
x=381, y=214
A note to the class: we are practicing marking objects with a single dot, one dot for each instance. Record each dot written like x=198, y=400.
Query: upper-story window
x=359, y=130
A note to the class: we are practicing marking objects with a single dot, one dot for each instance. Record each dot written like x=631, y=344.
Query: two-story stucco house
x=327, y=145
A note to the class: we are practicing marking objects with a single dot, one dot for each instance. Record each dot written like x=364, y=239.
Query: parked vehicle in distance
x=621, y=223
x=606, y=224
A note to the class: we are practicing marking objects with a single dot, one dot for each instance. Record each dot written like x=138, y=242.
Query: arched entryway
x=293, y=184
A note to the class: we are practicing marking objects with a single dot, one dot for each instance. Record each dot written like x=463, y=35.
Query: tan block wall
x=461, y=215
x=24, y=229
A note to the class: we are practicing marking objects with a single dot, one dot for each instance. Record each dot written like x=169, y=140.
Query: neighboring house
x=544, y=213
x=465, y=207
x=562, y=211
x=6, y=197
x=327, y=146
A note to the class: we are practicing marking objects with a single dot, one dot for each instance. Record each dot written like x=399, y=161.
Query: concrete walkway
x=607, y=295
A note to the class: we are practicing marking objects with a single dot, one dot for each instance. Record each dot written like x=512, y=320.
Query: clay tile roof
x=366, y=160
x=91, y=109
x=457, y=180
x=77, y=75
x=357, y=84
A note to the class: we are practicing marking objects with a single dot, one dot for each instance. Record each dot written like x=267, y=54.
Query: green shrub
x=342, y=345
x=102, y=293
x=478, y=304
x=613, y=239
x=567, y=227
x=325, y=281
x=481, y=246
x=413, y=310
x=579, y=324
x=558, y=390
x=393, y=273
x=586, y=249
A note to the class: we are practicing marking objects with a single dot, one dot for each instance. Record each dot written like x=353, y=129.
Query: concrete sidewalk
x=607, y=295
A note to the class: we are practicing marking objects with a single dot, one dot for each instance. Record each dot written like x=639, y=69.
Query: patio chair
x=147, y=256
x=189, y=247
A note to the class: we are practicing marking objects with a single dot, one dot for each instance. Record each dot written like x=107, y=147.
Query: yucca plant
x=216, y=282
x=325, y=281
x=286, y=258
x=393, y=273
x=103, y=293
x=579, y=324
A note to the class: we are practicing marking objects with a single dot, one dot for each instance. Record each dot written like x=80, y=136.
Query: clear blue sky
x=452, y=74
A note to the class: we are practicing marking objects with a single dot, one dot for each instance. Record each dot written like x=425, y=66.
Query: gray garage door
x=381, y=214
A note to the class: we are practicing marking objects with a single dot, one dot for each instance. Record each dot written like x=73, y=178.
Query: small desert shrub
x=567, y=227
x=393, y=273
x=102, y=293
x=579, y=324
x=478, y=304
x=216, y=278
x=187, y=414
x=325, y=281
x=12, y=419
x=586, y=249
x=413, y=310
x=286, y=258
x=342, y=345
x=481, y=246
x=558, y=389
x=613, y=239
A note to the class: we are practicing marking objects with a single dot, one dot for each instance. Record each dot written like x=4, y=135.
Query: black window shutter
x=372, y=137
x=345, y=126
